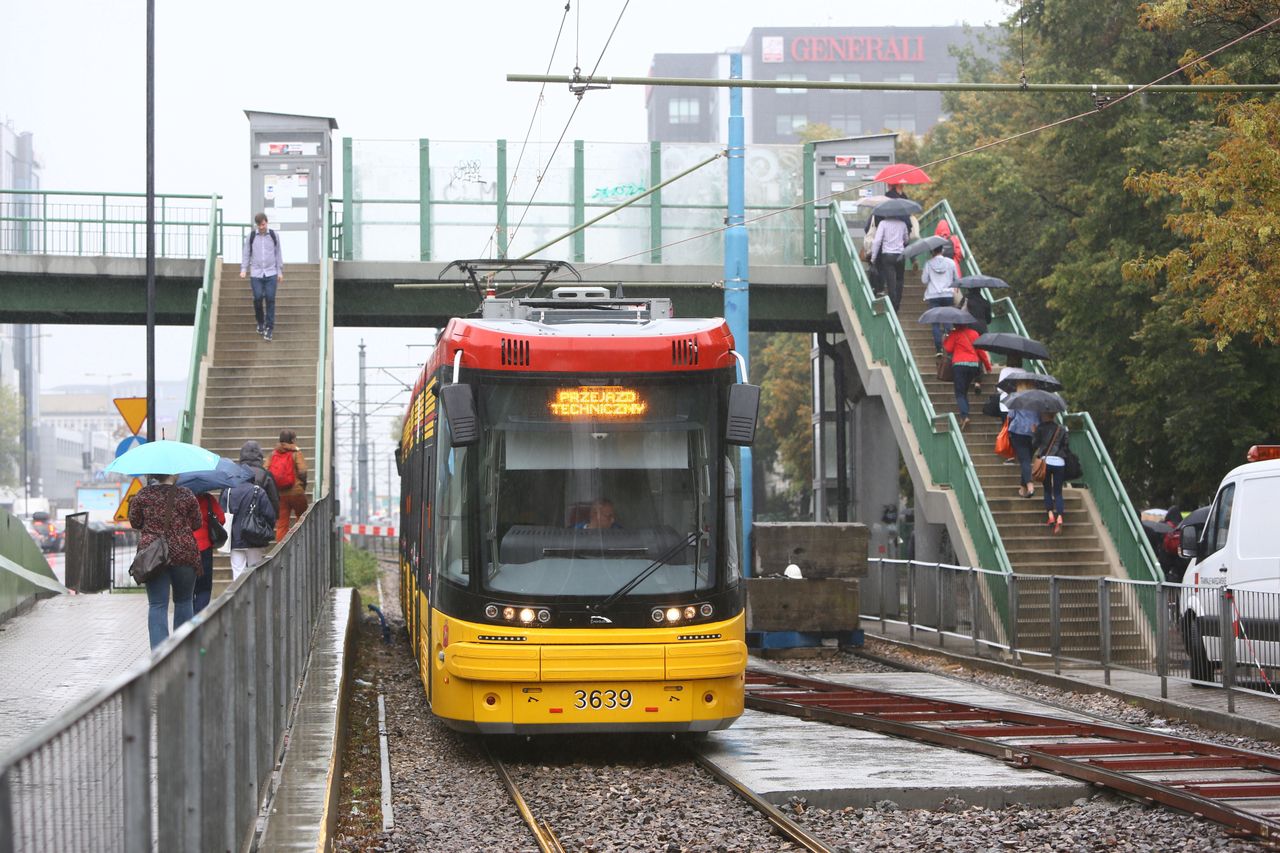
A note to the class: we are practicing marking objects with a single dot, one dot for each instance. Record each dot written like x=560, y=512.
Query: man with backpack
x=255, y=506
x=289, y=471
x=261, y=262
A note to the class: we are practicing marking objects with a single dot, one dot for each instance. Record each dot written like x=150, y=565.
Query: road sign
x=133, y=410
x=122, y=511
x=129, y=444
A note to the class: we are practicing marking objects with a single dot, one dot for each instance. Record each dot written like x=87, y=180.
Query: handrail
x=323, y=362
x=187, y=196
x=200, y=328
x=1100, y=475
x=946, y=456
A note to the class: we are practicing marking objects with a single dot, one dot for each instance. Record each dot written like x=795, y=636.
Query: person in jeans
x=165, y=509
x=1022, y=428
x=939, y=279
x=886, y=255
x=967, y=365
x=260, y=261
x=1051, y=440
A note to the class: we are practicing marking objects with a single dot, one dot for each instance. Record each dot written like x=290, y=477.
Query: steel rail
x=543, y=834
x=771, y=812
x=1077, y=751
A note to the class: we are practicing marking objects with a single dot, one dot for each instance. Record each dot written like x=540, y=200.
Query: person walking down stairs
x=288, y=468
x=261, y=262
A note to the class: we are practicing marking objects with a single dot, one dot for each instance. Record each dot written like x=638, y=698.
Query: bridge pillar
x=875, y=492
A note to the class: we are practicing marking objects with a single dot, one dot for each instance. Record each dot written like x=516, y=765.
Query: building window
x=948, y=77
x=904, y=122
x=788, y=124
x=791, y=76
x=899, y=78
x=850, y=124
x=683, y=111
x=846, y=77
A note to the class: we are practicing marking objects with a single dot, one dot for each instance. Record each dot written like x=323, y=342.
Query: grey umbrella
x=223, y=476
x=947, y=314
x=925, y=246
x=1041, y=380
x=895, y=207
x=1007, y=343
x=1035, y=401
x=973, y=282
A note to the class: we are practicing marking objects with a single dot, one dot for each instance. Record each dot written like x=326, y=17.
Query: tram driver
x=602, y=517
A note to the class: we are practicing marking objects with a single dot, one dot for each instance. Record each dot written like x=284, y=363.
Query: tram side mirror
x=460, y=412
x=744, y=407
x=1189, y=542
x=399, y=461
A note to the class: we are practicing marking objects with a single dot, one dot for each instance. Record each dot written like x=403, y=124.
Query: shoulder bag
x=150, y=561
x=217, y=533
x=945, y=371
x=1038, y=465
x=256, y=531
x=1004, y=445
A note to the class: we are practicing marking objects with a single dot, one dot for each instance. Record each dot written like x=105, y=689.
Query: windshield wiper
x=644, y=573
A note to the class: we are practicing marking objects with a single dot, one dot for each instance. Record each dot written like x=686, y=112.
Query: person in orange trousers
x=288, y=468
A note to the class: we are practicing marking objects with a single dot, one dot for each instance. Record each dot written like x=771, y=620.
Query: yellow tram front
x=586, y=571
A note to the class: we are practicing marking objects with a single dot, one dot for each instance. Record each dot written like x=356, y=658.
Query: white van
x=1239, y=549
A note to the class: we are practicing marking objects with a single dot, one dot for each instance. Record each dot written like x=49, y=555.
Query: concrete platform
x=833, y=767
x=62, y=649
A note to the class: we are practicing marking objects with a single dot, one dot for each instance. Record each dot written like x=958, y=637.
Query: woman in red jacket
x=209, y=507
x=967, y=364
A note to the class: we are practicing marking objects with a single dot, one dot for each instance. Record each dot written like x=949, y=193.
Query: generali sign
x=843, y=49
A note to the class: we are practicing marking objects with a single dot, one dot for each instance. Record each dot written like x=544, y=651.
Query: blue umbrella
x=163, y=457
x=225, y=475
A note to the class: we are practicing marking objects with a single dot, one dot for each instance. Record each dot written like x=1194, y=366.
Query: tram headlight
x=527, y=614
x=673, y=614
x=706, y=609
x=544, y=615
x=690, y=612
x=508, y=613
x=656, y=615
x=491, y=611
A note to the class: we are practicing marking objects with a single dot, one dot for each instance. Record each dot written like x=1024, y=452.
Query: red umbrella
x=902, y=173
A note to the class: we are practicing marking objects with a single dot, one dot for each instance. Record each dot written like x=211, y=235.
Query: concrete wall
x=821, y=550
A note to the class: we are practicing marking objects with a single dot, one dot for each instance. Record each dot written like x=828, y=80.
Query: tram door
x=426, y=555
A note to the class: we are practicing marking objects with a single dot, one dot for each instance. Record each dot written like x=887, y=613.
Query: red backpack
x=282, y=469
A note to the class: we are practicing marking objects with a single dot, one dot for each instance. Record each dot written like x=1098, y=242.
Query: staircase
x=1078, y=552
x=254, y=388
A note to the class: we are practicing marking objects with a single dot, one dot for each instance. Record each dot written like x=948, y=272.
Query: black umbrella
x=224, y=476
x=947, y=314
x=1035, y=401
x=1041, y=380
x=895, y=207
x=1007, y=343
x=925, y=246
x=973, y=282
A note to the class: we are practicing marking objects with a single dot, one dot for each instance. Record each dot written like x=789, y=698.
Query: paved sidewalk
x=1255, y=715
x=60, y=651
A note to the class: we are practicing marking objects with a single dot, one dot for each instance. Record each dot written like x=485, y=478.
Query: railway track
x=548, y=841
x=1237, y=788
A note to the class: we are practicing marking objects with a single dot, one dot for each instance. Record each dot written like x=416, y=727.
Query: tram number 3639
x=598, y=699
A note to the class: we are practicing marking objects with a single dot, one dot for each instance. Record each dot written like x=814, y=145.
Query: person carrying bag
x=166, y=516
x=1050, y=467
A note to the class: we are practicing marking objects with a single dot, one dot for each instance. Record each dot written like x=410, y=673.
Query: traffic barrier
x=367, y=530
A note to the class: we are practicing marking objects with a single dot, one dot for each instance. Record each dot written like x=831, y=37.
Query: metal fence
x=1095, y=622
x=178, y=753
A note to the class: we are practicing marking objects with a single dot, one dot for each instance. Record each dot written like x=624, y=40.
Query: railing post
x=938, y=607
x=655, y=217
x=1227, y=634
x=348, y=195
x=424, y=200
x=1055, y=625
x=579, y=201
x=502, y=198
x=162, y=223
x=911, y=599
x=1162, y=638
x=1013, y=616
x=975, y=601
x=1104, y=628
x=881, y=586
x=104, y=225
x=810, y=232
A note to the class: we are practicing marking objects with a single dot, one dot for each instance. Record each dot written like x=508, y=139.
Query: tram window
x=454, y=512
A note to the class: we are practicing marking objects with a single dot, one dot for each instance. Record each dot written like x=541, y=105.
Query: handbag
x=217, y=533
x=945, y=372
x=1038, y=469
x=150, y=561
x=991, y=408
x=1073, y=470
x=1004, y=445
x=254, y=529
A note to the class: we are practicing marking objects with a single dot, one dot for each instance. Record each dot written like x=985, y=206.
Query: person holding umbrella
x=163, y=509
x=1022, y=430
x=967, y=365
x=212, y=534
x=889, y=243
x=1052, y=446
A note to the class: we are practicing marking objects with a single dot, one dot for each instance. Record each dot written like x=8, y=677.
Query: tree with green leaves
x=10, y=436
x=784, y=442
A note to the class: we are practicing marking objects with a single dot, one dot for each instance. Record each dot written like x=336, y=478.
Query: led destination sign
x=597, y=401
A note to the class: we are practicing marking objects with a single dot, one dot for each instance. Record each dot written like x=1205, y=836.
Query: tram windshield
x=582, y=486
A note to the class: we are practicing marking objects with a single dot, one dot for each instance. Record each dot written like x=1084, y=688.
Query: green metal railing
x=945, y=454
x=200, y=327
x=357, y=216
x=324, y=364
x=68, y=222
x=1100, y=476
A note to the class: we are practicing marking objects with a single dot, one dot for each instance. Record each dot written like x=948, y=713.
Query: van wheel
x=1201, y=666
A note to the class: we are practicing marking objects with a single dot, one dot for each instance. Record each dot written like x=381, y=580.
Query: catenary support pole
x=362, y=453
x=736, y=280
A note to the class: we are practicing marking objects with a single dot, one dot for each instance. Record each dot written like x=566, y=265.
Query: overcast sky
x=72, y=72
